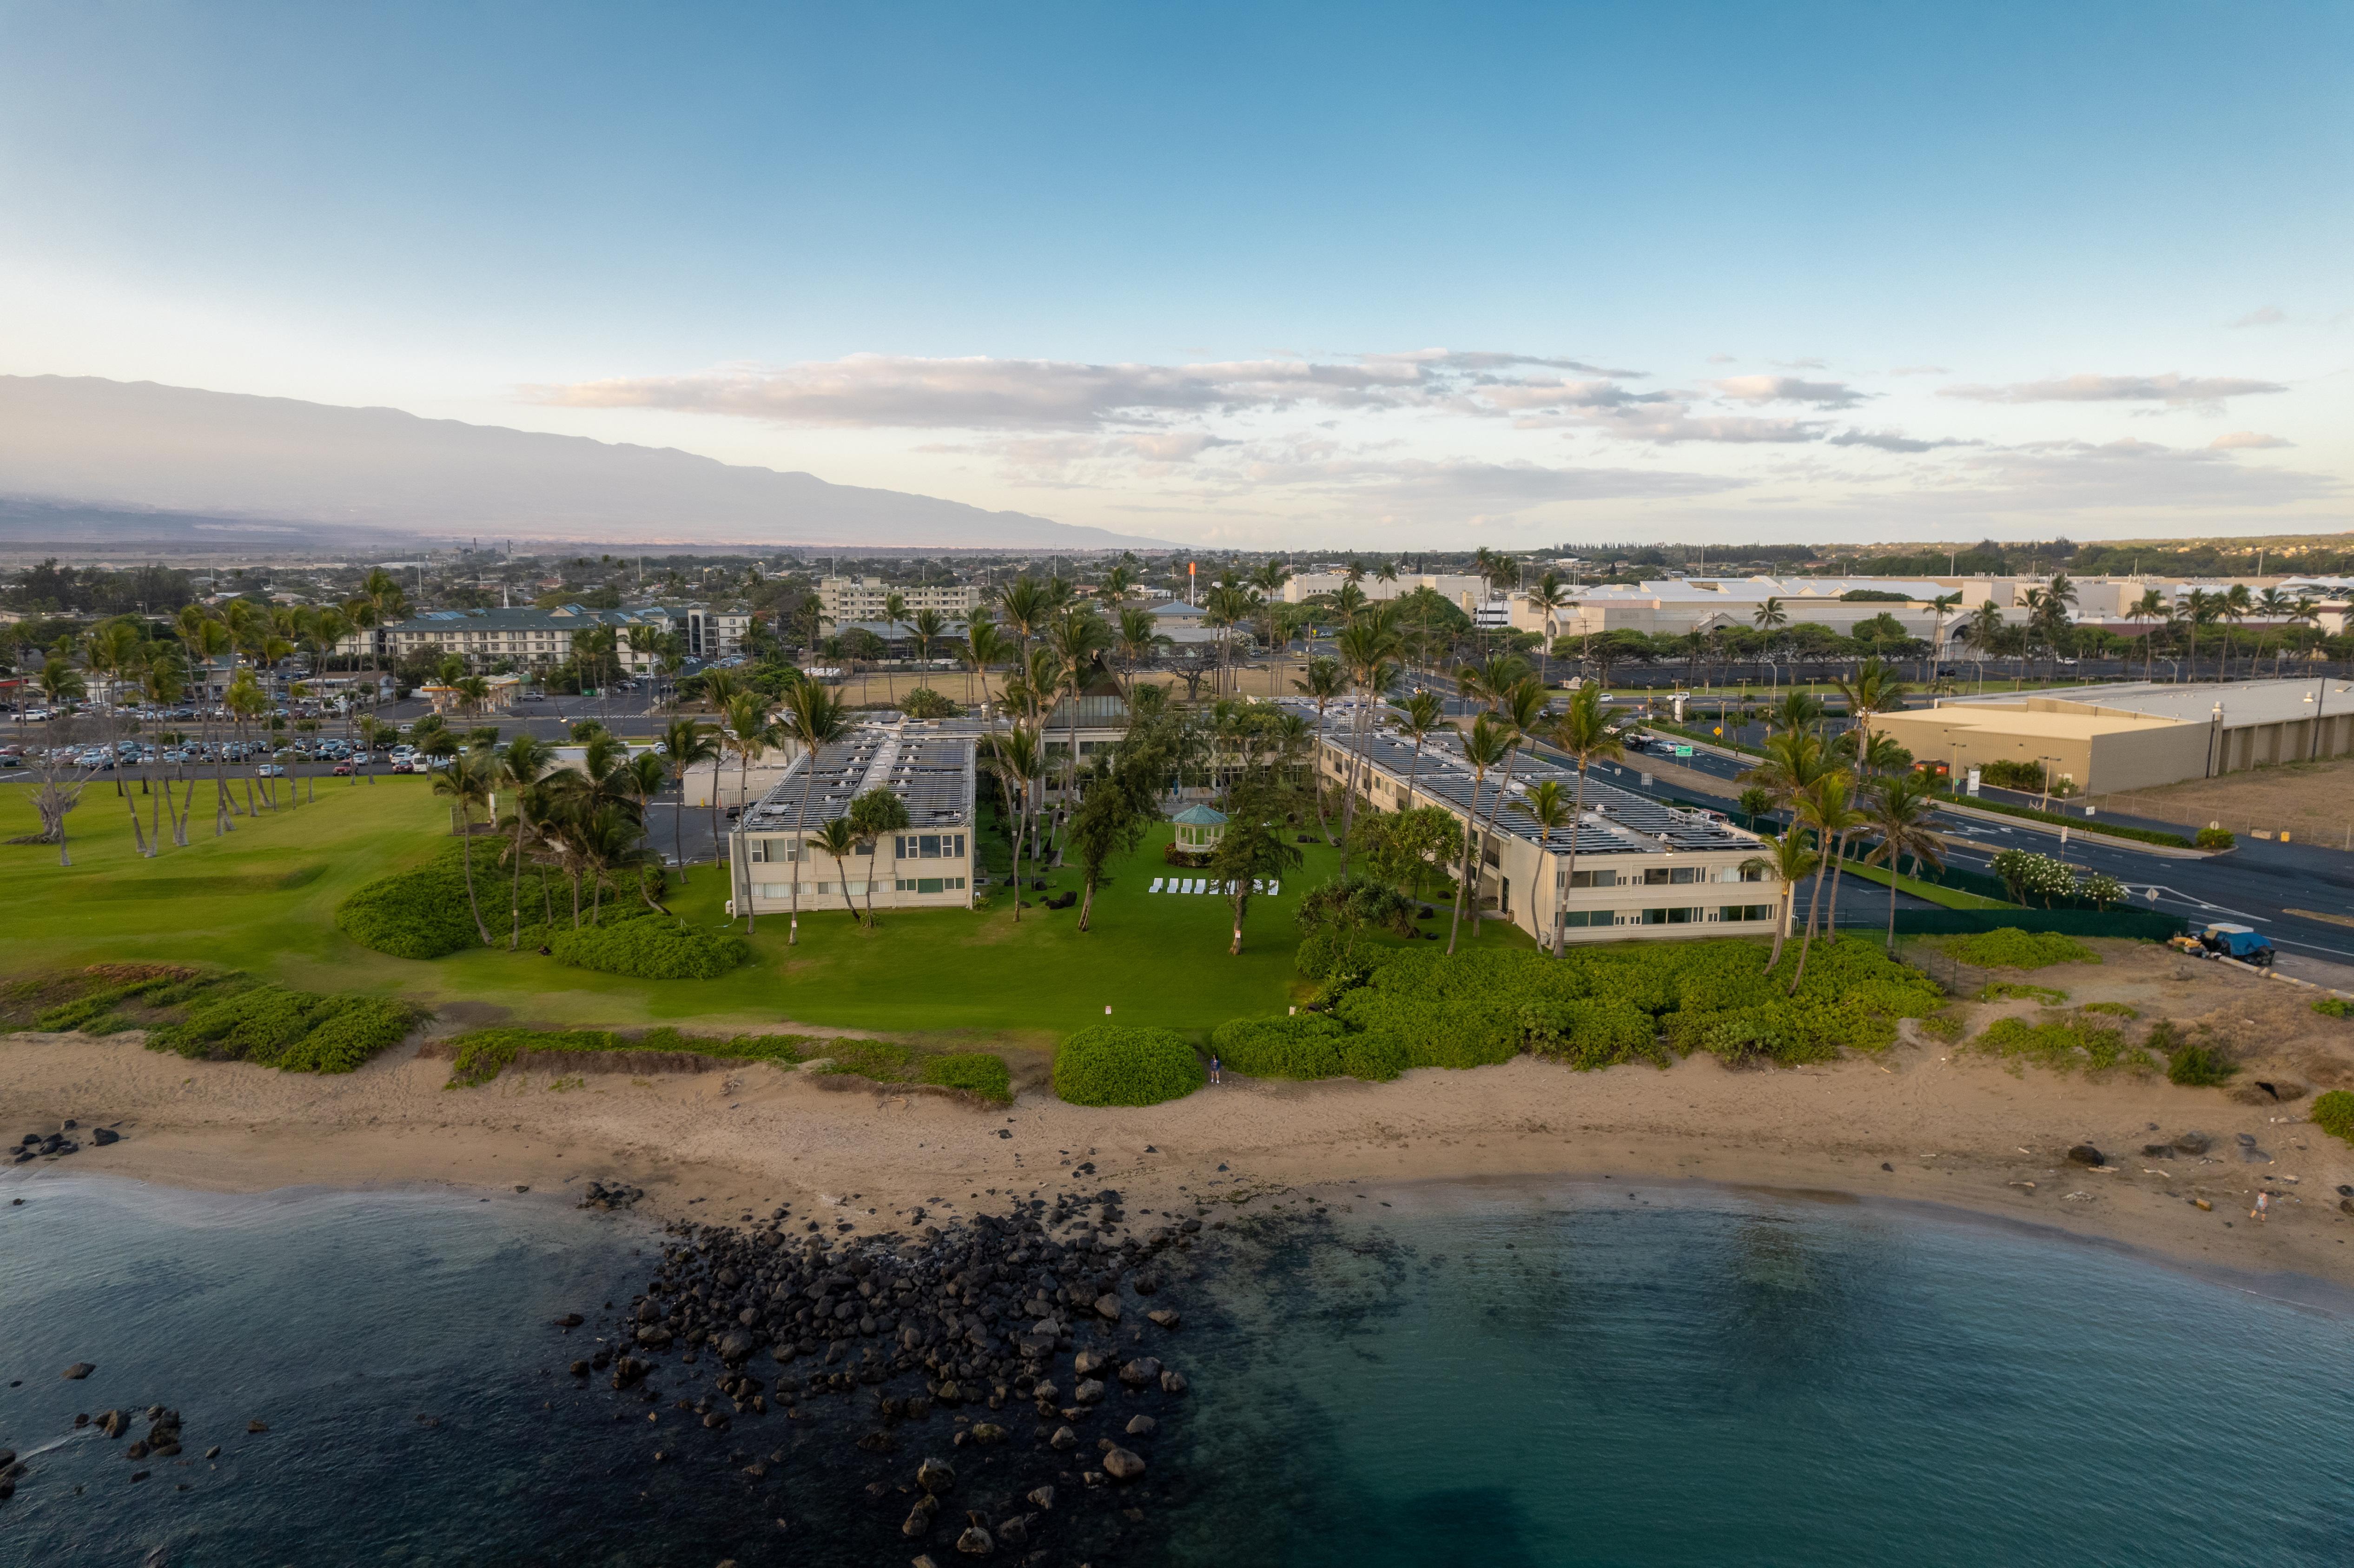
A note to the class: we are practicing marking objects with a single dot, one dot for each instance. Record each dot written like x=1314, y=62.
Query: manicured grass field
x=264, y=899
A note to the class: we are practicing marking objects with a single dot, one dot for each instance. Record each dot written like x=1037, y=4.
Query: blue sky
x=1707, y=272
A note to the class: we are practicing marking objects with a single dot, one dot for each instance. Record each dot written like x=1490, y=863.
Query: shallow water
x=1500, y=1375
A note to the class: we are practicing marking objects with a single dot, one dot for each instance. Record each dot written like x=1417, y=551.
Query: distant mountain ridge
x=222, y=465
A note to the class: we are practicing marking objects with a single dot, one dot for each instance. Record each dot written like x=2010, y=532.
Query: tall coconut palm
x=1787, y=860
x=2275, y=607
x=1229, y=609
x=1076, y=636
x=813, y=718
x=1025, y=603
x=984, y=645
x=1583, y=735
x=1943, y=605
x=1546, y=806
x=1900, y=814
x=1368, y=648
x=1872, y=690
x=1520, y=706
x=688, y=744
x=2199, y=608
x=750, y=732
x=465, y=783
x=1827, y=808
x=1548, y=599
x=1324, y=681
x=1488, y=745
x=874, y=816
x=1135, y=637
x=2150, y=607
x=839, y=839
x=895, y=615
x=1421, y=715
x=522, y=763
x=1016, y=757
x=929, y=628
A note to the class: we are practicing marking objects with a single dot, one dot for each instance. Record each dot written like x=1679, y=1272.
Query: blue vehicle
x=2244, y=943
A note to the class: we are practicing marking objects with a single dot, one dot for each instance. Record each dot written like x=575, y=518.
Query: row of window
x=1695, y=914
x=904, y=846
x=1659, y=876
x=858, y=889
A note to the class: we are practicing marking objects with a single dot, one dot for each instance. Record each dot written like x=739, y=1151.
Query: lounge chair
x=1275, y=890
x=1156, y=884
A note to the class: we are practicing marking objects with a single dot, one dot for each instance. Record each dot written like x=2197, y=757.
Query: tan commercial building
x=2135, y=736
x=1644, y=870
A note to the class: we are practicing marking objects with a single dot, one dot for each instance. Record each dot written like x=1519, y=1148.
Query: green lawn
x=264, y=898
x=1944, y=898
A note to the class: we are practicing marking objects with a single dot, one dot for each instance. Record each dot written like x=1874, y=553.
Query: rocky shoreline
x=1001, y=1384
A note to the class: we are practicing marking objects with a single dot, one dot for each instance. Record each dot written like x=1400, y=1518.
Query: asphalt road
x=2256, y=884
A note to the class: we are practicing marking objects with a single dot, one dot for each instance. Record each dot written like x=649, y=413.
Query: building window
x=1671, y=916
x=1753, y=873
x=1579, y=917
x=1586, y=879
x=1676, y=875
x=1745, y=912
x=929, y=846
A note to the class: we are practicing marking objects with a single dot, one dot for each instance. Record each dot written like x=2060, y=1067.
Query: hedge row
x=295, y=1030
x=650, y=947
x=483, y=1054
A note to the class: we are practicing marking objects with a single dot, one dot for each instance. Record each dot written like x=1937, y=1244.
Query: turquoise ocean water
x=1500, y=1375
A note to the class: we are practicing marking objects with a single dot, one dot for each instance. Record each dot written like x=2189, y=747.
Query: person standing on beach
x=2264, y=1203
x=1214, y=1070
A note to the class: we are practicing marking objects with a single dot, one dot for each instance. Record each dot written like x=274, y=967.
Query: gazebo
x=1199, y=828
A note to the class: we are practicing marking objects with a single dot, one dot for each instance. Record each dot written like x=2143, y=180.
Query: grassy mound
x=650, y=947
x=1104, y=1066
x=1304, y=1045
x=2009, y=947
x=296, y=1031
x=2333, y=1113
x=979, y=1073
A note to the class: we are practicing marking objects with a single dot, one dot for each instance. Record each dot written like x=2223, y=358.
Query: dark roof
x=931, y=770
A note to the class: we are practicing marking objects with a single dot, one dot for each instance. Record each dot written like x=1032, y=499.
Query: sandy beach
x=1926, y=1121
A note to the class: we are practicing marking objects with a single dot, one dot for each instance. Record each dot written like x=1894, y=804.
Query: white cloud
x=1920, y=370
x=2267, y=315
x=1789, y=389
x=1669, y=423
x=2168, y=388
x=1893, y=441
x=2247, y=440
x=1719, y=359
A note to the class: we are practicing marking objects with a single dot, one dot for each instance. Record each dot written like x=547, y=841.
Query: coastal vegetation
x=479, y=1055
x=2009, y=947
x=2068, y=1043
x=212, y=1015
x=2333, y=1113
x=1105, y=1065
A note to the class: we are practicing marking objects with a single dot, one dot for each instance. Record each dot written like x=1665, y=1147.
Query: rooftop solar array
x=1616, y=820
x=931, y=772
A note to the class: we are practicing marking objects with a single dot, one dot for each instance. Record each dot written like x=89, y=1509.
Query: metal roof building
x=929, y=863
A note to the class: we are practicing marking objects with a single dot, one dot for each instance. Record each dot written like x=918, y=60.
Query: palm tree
x=1795, y=712
x=2237, y=607
x=1788, y=860
x=1548, y=599
x=690, y=743
x=984, y=645
x=1545, y=807
x=1872, y=690
x=2275, y=607
x=750, y=732
x=1421, y=715
x=872, y=815
x=1016, y=758
x=1583, y=735
x=1135, y=637
x=1325, y=681
x=1900, y=814
x=2151, y=607
x=1769, y=619
x=1228, y=607
x=895, y=612
x=813, y=718
x=1253, y=851
x=465, y=782
x=1368, y=648
x=522, y=763
x=1076, y=637
x=1486, y=746
x=2199, y=608
x=1521, y=706
x=1025, y=604
x=1826, y=809
x=929, y=628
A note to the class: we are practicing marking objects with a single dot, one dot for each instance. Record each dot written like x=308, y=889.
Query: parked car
x=343, y=770
x=270, y=770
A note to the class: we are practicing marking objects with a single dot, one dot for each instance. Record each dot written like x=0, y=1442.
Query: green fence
x=2144, y=925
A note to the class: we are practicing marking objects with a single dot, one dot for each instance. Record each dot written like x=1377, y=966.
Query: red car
x=343, y=770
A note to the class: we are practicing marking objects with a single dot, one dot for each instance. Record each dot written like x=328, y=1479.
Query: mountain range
x=85, y=461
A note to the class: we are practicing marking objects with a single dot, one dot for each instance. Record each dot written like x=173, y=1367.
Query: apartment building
x=929, y=865
x=844, y=600
x=1644, y=871
x=534, y=638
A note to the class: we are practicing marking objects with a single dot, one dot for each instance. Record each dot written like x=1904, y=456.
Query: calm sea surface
x=1493, y=1375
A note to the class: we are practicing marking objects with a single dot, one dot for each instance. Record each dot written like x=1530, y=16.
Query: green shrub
x=2215, y=839
x=2333, y=1113
x=651, y=947
x=2199, y=1065
x=354, y=1032
x=2063, y=1044
x=296, y=1031
x=2019, y=990
x=2114, y=1009
x=1376, y=1058
x=2009, y=947
x=1304, y=1045
x=979, y=1073
x=884, y=1060
x=2334, y=1007
x=483, y=1054
x=1592, y=1034
x=1106, y=1065
x=420, y=914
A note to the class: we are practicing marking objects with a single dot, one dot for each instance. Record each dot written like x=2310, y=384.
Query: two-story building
x=927, y=865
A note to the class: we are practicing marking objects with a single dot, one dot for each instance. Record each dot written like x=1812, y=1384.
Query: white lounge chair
x=1189, y=887
x=1275, y=890
x=1156, y=884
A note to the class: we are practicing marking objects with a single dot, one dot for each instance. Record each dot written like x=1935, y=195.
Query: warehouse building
x=2136, y=735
